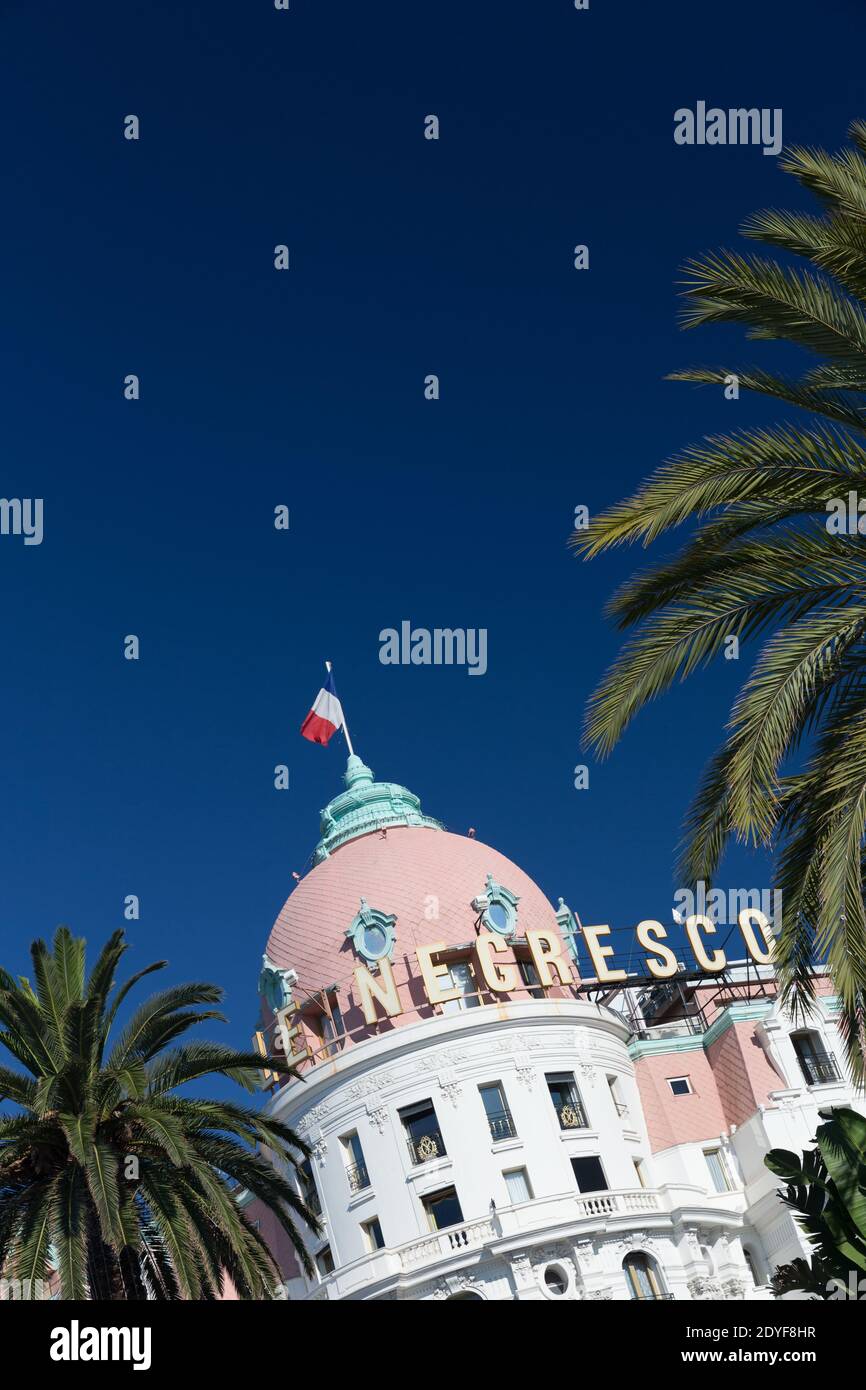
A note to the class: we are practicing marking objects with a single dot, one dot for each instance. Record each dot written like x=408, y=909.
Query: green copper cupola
x=364, y=807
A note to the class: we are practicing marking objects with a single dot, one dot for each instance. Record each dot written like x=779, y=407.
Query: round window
x=556, y=1280
x=498, y=917
x=375, y=941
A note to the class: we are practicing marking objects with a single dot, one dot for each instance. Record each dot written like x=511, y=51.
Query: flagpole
x=344, y=728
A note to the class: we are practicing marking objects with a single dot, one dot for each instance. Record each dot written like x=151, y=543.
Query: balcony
x=571, y=1115
x=358, y=1177
x=819, y=1071
x=469, y=1235
x=426, y=1147
x=605, y=1204
x=501, y=1126
x=618, y=1211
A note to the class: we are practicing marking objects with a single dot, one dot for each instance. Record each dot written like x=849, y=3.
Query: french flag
x=326, y=716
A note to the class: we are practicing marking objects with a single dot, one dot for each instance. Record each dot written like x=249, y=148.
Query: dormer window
x=372, y=932
x=498, y=908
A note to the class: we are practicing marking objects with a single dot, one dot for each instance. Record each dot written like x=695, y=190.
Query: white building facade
x=516, y=1140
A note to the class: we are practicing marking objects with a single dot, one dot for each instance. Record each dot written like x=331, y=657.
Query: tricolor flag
x=326, y=716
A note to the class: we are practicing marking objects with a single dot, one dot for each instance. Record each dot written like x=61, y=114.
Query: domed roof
x=365, y=806
x=423, y=875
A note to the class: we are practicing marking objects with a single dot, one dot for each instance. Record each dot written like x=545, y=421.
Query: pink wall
x=743, y=1074
x=674, y=1119
x=278, y=1242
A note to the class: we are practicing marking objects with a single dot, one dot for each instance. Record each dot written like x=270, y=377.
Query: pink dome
x=402, y=870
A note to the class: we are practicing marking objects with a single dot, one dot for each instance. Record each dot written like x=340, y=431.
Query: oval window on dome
x=372, y=932
x=375, y=942
x=498, y=917
x=497, y=906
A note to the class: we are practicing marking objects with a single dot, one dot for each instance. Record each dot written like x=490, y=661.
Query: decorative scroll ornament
x=498, y=908
x=372, y=933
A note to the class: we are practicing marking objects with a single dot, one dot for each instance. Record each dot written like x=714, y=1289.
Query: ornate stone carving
x=586, y=1254
x=440, y=1061
x=369, y=1085
x=378, y=1116
x=521, y=1270
x=694, y=1243
x=704, y=1287
x=734, y=1288
x=637, y=1240
x=521, y=1043
x=452, y=1089
x=545, y=1254
x=312, y=1118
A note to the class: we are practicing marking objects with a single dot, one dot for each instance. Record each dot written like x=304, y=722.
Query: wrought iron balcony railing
x=358, y=1177
x=501, y=1125
x=426, y=1146
x=571, y=1114
x=819, y=1070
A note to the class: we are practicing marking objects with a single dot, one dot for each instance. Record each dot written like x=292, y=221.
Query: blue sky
x=306, y=388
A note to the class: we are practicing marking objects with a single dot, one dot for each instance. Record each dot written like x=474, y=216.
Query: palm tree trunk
x=104, y=1278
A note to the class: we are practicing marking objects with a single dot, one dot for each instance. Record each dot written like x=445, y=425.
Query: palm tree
x=827, y=1190
x=109, y=1175
x=763, y=560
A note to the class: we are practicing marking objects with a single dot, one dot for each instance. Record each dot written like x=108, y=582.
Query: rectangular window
x=816, y=1064
x=589, y=1174
x=332, y=1031
x=496, y=1109
x=529, y=976
x=517, y=1183
x=373, y=1234
x=422, y=1132
x=639, y=1172
x=718, y=1170
x=566, y=1100
x=309, y=1191
x=680, y=1085
x=325, y=1262
x=616, y=1096
x=461, y=978
x=443, y=1209
x=353, y=1157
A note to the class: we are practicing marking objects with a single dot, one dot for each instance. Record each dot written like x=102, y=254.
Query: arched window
x=644, y=1280
x=466, y=1297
